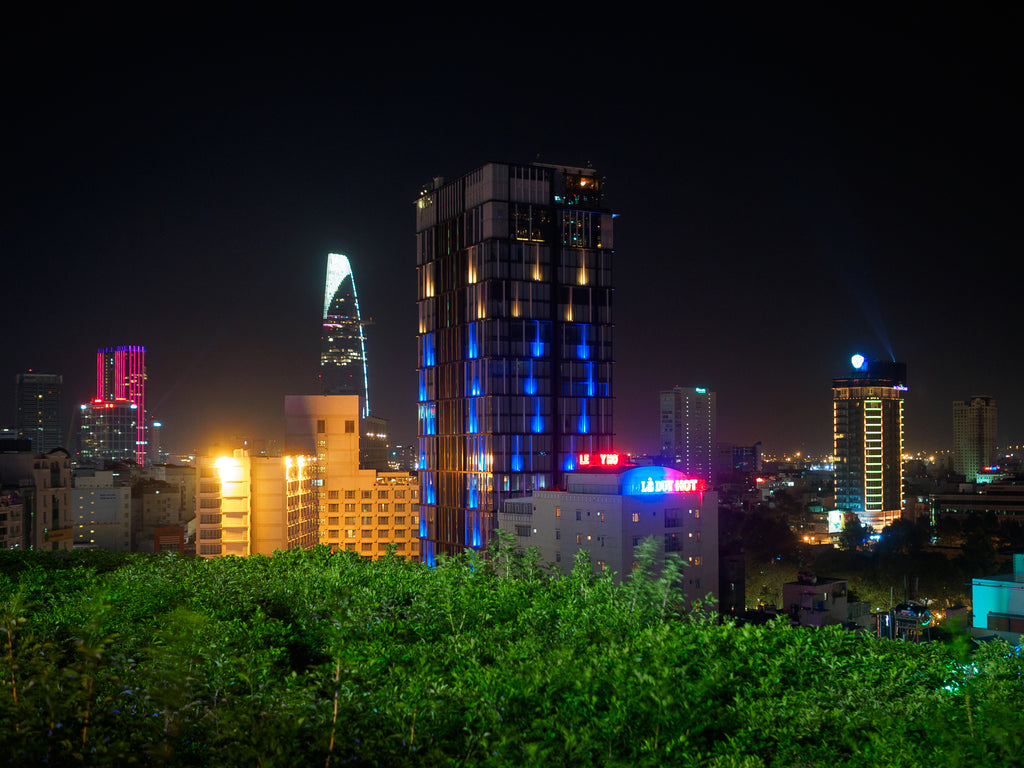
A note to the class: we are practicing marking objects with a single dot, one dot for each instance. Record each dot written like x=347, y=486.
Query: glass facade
x=342, y=342
x=120, y=400
x=514, y=273
x=38, y=416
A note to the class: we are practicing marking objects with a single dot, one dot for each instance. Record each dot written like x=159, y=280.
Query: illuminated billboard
x=835, y=520
x=598, y=460
x=652, y=481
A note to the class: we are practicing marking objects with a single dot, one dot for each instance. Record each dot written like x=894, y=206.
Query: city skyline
x=775, y=218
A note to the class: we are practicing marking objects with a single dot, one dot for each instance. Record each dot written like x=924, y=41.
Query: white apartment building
x=609, y=510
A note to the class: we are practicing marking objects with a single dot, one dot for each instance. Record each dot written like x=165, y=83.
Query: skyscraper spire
x=343, y=345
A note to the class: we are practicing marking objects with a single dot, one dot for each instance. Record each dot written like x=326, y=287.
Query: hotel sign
x=654, y=481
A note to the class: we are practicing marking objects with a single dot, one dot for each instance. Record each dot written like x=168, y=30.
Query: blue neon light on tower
x=514, y=276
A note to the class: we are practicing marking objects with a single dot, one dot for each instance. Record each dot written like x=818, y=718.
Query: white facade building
x=609, y=511
x=101, y=505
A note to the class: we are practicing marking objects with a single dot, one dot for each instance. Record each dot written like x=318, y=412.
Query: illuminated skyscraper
x=114, y=423
x=38, y=417
x=342, y=342
x=868, y=440
x=110, y=431
x=974, y=436
x=514, y=355
x=688, y=430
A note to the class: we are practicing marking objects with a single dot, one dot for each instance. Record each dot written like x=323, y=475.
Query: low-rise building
x=43, y=481
x=816, y=601
x=999, y=603
x=610, y=509
x=12, y=509
x=102, y=510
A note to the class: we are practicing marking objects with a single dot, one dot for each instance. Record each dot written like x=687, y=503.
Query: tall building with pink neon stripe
x=114, y=423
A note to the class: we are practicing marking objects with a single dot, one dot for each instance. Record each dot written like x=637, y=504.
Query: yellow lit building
x=359, y=510
x=247, y=505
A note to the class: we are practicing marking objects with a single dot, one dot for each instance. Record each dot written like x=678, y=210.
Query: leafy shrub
x=319, y=658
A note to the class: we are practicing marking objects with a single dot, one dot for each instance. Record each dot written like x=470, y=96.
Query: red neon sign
x=598, y=459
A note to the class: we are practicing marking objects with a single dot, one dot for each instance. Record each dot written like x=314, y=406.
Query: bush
x=319, y=658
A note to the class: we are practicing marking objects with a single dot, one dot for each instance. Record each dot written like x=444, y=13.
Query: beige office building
x=360, y=510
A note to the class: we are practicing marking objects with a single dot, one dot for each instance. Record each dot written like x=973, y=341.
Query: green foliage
x=313, y=658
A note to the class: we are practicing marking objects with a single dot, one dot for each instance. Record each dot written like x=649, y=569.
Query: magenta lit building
x=114, y=423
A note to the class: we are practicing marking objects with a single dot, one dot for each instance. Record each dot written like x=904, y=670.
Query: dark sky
x=789, y=194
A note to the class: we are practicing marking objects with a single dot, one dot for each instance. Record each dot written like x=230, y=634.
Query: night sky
x=788, y=194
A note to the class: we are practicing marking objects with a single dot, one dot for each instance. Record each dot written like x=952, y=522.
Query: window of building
x=350, y=547
x=367, y=508
x=350, y=520
x=332, y=521
x=366, y=533
x=399, y=533
x=579, y=539
x=399, y=494
x=350, y=533
x=333, y=494
x=558, y=511
x=382, y=533
x=399, y=507
x=367, y=494
x=350, y=507
x=367, y=520
x=558, y=533
x=673, y=543
x=579, y=514
x=321, y=426
x=672, y=518
x=350, y=494
x=332, y=534
x=350, y=426
x=636, y=517
x=522, y=530
x=601, y=515
x=382, y=520
x=382, y=494
x=367, y=546
x=382, y=507
x=399, y=520
x=332, y=508
x=400, y=546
